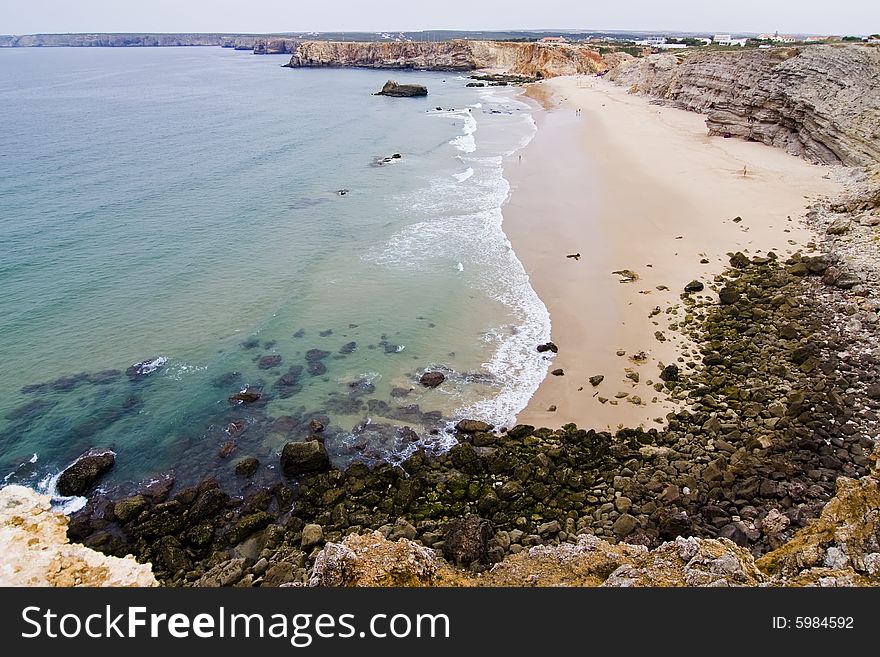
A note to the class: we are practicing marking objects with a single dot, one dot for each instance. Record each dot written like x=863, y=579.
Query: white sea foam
x=464, y=175
x=464, y=224
x=67, y=505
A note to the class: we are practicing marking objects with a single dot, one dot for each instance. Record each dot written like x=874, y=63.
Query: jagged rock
x=84, y=473
x=392, y=88
x=432, y=379
x=467, y=541
x=36, y=551
x=689, y=562
x=596, y=379
x=304, y=457
x=372, y=560
x=849, y=523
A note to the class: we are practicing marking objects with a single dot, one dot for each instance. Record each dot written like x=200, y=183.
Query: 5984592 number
x=823, y=622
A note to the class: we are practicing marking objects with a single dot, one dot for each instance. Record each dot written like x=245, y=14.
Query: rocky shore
x=782, y=402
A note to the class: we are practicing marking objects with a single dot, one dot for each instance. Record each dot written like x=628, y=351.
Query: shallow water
x=184, y=204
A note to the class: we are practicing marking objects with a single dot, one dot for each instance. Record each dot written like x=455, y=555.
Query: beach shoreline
x=636, y=187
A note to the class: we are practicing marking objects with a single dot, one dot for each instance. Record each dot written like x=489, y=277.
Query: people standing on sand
x=744, y=169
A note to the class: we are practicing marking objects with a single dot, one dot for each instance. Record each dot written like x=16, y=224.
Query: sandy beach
x=638, y=187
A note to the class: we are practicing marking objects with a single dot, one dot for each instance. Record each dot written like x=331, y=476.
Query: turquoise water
x=183, y=205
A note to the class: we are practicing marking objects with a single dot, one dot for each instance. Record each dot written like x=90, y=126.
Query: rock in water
x=84, y=473
x=146, y=367
x=300, y=458
x=432, y=379
x=268, y=362
x=391, y=88
x=246, y=396
x=547, y=346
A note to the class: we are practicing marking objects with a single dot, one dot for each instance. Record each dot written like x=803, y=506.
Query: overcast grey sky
x=802, y=16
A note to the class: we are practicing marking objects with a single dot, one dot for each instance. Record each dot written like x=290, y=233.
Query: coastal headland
x=762, y=468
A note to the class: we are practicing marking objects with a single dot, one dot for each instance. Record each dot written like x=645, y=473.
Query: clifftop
x=530, y=59
x=36, y=551
x=819, y=102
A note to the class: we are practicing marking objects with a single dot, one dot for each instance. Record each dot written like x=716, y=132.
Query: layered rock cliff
x=819, y=102
x=36, y=551
x=531, y=59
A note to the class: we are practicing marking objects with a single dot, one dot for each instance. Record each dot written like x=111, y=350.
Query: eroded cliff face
x=819, y=102
x=531, y=59
x=36, y=551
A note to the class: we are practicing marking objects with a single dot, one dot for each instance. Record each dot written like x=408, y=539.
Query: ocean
x=231, y=224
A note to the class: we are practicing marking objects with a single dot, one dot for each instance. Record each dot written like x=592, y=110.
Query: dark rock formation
x=84, y=473
x=304, y=457
x=392, y=88
x=432, y=379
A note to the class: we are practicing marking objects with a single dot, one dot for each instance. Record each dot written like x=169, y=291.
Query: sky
x=821, y=17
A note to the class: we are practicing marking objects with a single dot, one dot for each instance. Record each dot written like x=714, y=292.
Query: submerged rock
x=85, y=472
x=268, y=362
x=146, y=367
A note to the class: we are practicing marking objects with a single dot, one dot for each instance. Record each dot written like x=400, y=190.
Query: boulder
x=670, y=373
x=301, y=458
x=547, y=346
x=312, y=535
x=728, y=296
x=693, y=286
x=392, y=88
x=473, y=426
x=247, y=466
x=596, y=380
x=432, y=379
x=85, y=471
x=558, y=372
x=467, y=541
x=839, y=226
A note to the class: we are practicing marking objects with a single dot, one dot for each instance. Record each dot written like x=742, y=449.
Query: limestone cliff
x=820, y=102
x=530, y=59
x=36, y=551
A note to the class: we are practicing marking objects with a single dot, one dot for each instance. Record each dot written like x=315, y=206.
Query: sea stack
x=391, y=88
